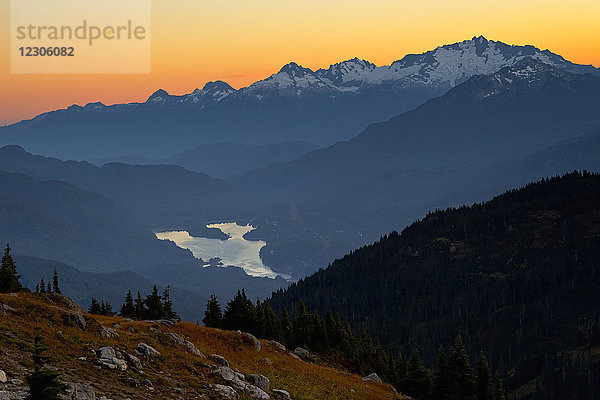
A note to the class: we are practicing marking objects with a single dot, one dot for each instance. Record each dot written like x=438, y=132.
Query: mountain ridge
x=296, y=103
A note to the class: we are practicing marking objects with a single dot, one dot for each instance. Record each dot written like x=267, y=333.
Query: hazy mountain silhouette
x=319, y=107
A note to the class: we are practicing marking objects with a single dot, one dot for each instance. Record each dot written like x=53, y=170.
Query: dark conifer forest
x=518, y=278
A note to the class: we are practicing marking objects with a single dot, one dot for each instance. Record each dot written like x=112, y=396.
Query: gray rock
x=268, y=361
x=75, y=318
x=109, y=359
x=260, y=380
x=186, y=344
x=256, y=392
x=4, y=308
x=113, y=363
x=108, y=333
x=107, y=352
x=278, y=345
x=219, y=359
x=249, y=338
x=165, y=322
x=147, y=351
x=302, y=353
x=16, y=381
x=134, y=361
x=282, y=394
x=3, y=377
x=79, y=391
x=226, y=392
x=372, y=377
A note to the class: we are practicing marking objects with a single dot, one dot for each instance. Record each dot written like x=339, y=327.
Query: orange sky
x=241, y=41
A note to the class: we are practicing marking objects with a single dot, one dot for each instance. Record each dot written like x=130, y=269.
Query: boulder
x=147, y=350
x=268, y=361
x=134, y=361
x=186, y=344
x=251, y=339
x=372, y=377
x=109, y=359
x=255, y=392
x=282, y=394
x=226, y=392
x=3, y=377
x=278, y=345
x=107, y=352
x=302, y=353
x=74, y=318
x=80, y=391
x=6, y=308
x=219, y=360
x=108, y=333
x=260, y=381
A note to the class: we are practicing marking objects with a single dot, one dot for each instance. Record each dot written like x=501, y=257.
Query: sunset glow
x=237, y=41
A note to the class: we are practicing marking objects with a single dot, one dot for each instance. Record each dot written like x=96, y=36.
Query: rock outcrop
x=372, y=377
x=282, y=394
x=147, y=350
x=251, y=339
x=186, y=344
x=219, y=360
x=109, y=359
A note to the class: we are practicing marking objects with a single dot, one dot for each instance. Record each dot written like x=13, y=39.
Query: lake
x=236, y=250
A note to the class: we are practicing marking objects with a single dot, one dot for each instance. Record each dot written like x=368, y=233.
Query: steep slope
x=77, y=341
x=517, y=277
x=320, y=107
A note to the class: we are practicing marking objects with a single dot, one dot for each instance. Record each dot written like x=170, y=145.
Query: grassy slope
x=174, y=369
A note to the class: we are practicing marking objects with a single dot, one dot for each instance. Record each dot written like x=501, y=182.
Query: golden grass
x=176, y=373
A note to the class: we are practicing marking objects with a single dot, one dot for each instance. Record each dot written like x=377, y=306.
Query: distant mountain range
x=295, y=104
x=476, y=140
x=223, y=160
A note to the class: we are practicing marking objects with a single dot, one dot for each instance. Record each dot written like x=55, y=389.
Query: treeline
x=330, y=336
x=153, y=307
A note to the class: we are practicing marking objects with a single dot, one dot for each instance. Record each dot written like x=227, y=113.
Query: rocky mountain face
x=297, y=103
x=114, y=358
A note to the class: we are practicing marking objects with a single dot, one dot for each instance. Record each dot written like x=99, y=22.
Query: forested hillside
x=517, y=277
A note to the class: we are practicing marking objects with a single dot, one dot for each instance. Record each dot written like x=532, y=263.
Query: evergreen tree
x=9, y=279
x=285, y=324
x=168, y=311
x=140, y=310
x=154, y=305
x=43, y=383
x=42, y=286
x=55, y=287
x=440, y=384
x=485, y=388
x=213, y=316
x=106, y=309
x=49, y=288
x=272, y=325
x=460, y=373
x=498, y=388
x=259, y=321
x=94, y=307
x=417, y=381
x=128, y=308
x=239, y=313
